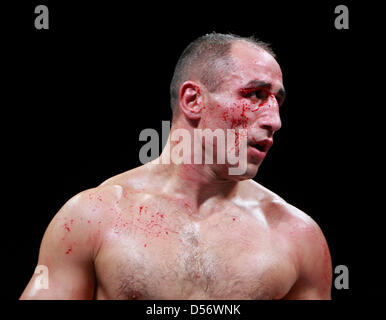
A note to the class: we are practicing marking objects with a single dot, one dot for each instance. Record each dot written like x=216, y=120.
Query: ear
x=191, y=100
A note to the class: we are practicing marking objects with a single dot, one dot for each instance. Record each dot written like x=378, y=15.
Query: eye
x=260, y=94
x=256, y=94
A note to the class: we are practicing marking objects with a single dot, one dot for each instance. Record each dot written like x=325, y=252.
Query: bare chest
x=194, y=261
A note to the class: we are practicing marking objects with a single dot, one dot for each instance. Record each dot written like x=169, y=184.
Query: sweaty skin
x=167, y=231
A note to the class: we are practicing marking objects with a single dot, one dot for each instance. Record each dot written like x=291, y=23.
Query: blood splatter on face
x=245, y=100
x=241, y=113
x=249, y=96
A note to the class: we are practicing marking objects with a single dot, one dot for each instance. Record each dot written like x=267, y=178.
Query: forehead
x=253, y=63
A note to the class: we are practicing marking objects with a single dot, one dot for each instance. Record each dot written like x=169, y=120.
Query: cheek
x=236, y=115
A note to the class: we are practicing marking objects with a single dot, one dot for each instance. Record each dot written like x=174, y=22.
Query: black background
x=77, y=96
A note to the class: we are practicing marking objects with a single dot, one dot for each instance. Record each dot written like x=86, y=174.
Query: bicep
x=65, y=263
x=64, y=282
x=308, y=291
x=315, y=270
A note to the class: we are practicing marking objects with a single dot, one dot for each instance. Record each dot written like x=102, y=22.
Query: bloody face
x=249, y=98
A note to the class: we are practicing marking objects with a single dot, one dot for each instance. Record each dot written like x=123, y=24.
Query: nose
x=271, y=122
x=270, y=119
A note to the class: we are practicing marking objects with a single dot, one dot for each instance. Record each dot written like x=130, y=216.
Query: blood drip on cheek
x=235, y=116
x=225, y=114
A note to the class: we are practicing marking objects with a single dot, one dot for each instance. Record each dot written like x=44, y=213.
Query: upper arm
x=314, y=269
x=66, y=252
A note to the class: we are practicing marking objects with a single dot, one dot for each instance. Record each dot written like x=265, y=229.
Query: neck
x=197, y=183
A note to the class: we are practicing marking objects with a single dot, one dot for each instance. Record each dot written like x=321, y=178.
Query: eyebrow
x=263, y=84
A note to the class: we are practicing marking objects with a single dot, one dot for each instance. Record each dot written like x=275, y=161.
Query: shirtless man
x=193, y=231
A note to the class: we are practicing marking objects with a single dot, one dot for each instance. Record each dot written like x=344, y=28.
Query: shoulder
x=275, y=205
x=298, y=227
x=138, y=179
x=309, y=244
x=96, y=202
x=76, y=227
x=91, y=201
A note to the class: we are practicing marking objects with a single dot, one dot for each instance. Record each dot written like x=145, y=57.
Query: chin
x=252, y=170
x=250, y=173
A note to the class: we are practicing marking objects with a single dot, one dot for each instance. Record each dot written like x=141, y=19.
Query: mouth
x=262, y=145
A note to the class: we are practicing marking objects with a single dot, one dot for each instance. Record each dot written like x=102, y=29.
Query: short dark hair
x=205, y=59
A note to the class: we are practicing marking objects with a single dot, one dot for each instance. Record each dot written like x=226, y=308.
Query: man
x=191, y=230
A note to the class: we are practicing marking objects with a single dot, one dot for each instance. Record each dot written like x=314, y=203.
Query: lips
x=261, y=145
